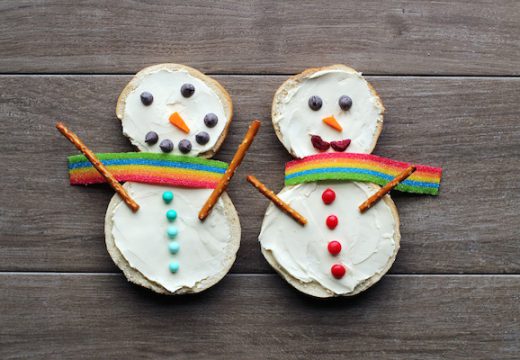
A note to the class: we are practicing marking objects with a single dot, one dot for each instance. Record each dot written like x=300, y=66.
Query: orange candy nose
x=176, y=120
x=333, y=123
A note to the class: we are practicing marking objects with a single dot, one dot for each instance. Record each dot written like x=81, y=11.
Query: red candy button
x=332, y=221
x=328, y=196
x=334, y=247
x=338, y=271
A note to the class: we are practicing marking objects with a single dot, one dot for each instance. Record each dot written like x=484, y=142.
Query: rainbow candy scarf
x=362, y=167
x=152, y=168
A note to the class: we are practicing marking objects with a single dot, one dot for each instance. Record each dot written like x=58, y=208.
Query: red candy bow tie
x=322, y=145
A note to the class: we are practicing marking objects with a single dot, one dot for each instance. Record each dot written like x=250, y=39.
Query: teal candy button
x=172, y=232
x=174, y=247
x=167, y=197
x=174, y=266
x=171, y=214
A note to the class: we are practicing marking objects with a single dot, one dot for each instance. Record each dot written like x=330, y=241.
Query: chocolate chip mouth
x=184, y=146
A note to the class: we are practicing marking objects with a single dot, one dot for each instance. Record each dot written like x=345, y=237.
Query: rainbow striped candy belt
x=362, y=167
x=152, y=168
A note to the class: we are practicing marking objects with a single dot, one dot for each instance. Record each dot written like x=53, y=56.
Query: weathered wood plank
x=469, y=126
x=235, y=36
x=426, y=317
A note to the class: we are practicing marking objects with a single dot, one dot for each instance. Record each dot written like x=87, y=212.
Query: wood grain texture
x=468, y=126
x=255, y=36
x=62, y=297
x=252, y=317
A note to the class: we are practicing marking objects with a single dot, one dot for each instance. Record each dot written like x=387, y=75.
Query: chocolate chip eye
x=315, y=103
x=166, y=146
x=146, y=98
x=345, y=102
x=184, y=146
x=202, y=138
x=151, y=138
x=187, y=90
x=210, y=120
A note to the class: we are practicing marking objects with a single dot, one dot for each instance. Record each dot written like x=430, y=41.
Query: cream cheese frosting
x=297, y=122
x=142, y=238
x=165, y=85
x=367, y=239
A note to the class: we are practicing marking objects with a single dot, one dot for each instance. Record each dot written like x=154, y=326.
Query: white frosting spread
x=165, y=86
x=142, y=239
x=297, y=122
x=367, y=239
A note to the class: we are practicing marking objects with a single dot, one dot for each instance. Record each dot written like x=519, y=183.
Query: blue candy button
x=174, y=247
x=174, y=266
x=172, y=232
x=167, y=197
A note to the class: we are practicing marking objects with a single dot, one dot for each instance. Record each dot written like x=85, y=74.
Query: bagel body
x=369, y=241
x=138, y=256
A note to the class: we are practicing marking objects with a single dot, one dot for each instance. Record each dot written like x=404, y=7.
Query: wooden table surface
x=449, y=75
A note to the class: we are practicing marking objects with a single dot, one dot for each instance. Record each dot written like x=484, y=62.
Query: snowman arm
x=111, y=180
x=230, y=171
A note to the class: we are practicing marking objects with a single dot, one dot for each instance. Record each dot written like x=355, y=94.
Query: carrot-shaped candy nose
x=333, y=123
x=176, y=120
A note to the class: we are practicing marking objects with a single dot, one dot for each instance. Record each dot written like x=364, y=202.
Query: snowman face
x=172, y=111
x=330, y=110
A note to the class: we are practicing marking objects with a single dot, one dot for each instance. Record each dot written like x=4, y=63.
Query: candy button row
x=337, y=270
x=172, y=231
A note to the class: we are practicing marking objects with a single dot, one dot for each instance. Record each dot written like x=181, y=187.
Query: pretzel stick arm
x=226, y=178
x=371, y=201
x=111, y=180
x=276, y=200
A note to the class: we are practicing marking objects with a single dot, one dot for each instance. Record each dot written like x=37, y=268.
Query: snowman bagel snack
x=158, y=227
x=346, y=234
